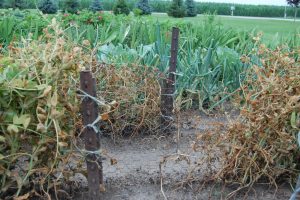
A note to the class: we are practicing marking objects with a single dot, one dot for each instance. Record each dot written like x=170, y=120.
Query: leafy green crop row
x=209, y=65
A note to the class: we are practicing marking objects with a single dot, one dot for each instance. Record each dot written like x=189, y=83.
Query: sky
x=256, y=2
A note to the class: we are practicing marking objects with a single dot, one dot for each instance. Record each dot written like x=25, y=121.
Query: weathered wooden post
x=89, y=110
x=168, y=86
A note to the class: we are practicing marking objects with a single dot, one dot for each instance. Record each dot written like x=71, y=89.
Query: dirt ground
x=136, y=176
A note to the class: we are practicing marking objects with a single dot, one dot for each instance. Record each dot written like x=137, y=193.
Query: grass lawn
x=269, y=27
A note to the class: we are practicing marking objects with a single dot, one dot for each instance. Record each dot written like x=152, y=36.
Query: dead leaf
x=23, y=197
x=2, y=139
x=105, y=116
x=113, y=161
x=102, y=188
x=12, y=128
x=54, y=99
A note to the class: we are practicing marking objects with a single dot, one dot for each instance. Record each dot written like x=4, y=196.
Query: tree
x=48, y=6
x=177, y=9
x=71, y=6
x=121, y=8
x=144, y=6
x=16, y=4
x=96, y=6
x=295, y=4
x=191, y=10
x=1, y=4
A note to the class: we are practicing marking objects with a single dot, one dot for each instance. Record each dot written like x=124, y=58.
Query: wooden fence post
x=168, y=86
x=89, y=111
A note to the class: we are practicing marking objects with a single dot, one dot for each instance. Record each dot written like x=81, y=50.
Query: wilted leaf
x=22, y=120
x=54, y=113
x=23, y=197
x=41, y=117
x=62, y=144
x=54, y=99
x=12, y=128
x=105, y=116
x=46, y=91
x=41, y=110
x=2, y=139
x=26, y=122
x=102, y=188
x=113, y=161
x=41, y=128
x=41, y=87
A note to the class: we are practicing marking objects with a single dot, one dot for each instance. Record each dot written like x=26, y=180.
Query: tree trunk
x=296, y=10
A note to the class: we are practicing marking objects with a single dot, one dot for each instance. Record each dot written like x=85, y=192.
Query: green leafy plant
x=20, y=4
x=71, y=6
x=121, y=8
x=137, y=12
x=96, y=6
x=144, y=6
x=48, y=6
x=177, y=9
x=34, y=106
x=191, y=9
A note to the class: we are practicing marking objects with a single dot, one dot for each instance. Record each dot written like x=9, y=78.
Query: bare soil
x=136, y=176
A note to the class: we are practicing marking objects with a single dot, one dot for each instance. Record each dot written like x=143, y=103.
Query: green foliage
x=191, y=10
x=177, y=9
x=201, y=7
x=48, y=6
x=17, y=24
x=85, y=17
x=20, y=4
x=137, y=12
x=224, y=9
x=294, y=3
x=71, y=6
x=144, y=6
x=96, y=6
x=121, y=8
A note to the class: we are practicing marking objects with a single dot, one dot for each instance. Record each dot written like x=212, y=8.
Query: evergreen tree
x=71, y=6
x=96, y=6
x=177, y=9
x=121, y=8
x=21, y=4
x=295, y=4
x=1, y=4
x=191, y=10
x=144, y=6
x=48, y=6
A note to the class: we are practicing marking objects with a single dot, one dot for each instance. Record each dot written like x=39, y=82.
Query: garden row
x=208, y=47
x=40, y=60
x=163, y=6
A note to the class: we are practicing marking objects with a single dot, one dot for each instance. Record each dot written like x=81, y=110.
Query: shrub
x=191, y=10
x=177, y=9
x=71, y=6
x=21, y=4
x=38, y=121
x=48, y=6
x=121, y=8
x=261, y=145
x=137, y=12
x=144, y=6
x=96, y=6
